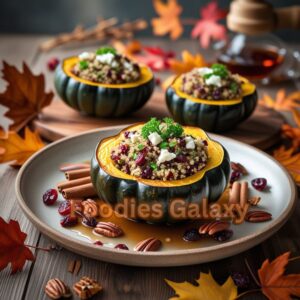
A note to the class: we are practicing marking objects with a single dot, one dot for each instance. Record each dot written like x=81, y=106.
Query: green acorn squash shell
x=113, y=187
x=102, y=100
x=210, y=115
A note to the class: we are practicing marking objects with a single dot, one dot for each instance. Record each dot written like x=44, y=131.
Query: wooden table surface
x=119, y=282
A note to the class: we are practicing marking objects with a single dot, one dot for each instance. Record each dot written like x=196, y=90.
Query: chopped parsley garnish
x=107, y=49
x=172, y=144
x=153, y=166
x=83, y=65
x=163, y=145
x=134, y=156
x=171, y=129
x=234, y=87
x=220, y=70
x=141, y=146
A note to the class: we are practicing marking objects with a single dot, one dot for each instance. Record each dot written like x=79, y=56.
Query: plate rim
x=79, y=246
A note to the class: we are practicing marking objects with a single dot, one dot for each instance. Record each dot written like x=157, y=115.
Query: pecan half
x=108, y=229
x=213, y=227
x=256, y=216
x=56, y=289
x=254, y=200
x=90, y=208
x=239, y=168
x=86, y=288
x=151, y=244
x=76, y=206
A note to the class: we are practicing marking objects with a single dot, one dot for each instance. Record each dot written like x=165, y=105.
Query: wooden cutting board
x=261, y=130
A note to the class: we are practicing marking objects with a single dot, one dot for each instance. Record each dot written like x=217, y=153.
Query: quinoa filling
x=160, y=150
x=215, y=83
x=106, y=66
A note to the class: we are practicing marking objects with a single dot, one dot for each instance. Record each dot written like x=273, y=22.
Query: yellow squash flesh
x=215, y=153
x=247, y=89
x=69, y=63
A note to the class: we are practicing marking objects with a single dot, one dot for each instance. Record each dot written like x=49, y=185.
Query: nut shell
x=86, y=288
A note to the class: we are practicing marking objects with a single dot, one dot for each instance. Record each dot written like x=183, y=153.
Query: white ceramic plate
x=40, y=173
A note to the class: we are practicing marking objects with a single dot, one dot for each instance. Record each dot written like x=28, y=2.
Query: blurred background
x=51, y=17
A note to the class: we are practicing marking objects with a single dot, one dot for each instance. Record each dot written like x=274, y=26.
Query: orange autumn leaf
x=17, y=150
x=24, y=95
x=296, y=116
x=274, y=284
x=281, y=101
x=292, y=133
x=168, y=21
x=13, y=251
x=129, y=49
x=188, y=62
x=290, y=159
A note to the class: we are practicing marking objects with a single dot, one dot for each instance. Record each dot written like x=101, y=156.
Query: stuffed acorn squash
x=158, y=162
x=104, y=83
x=211, y=98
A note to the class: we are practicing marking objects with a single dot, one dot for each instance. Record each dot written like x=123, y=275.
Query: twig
x=247, y=293
x=252, y=274
x=294, y=258
x=38, y=248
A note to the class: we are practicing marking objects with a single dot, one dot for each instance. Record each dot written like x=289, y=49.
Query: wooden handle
x=254, y=17
x=288, y=17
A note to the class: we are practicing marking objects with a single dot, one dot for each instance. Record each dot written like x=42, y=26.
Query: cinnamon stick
x=81, y=191
x=71, y=183
x=244, y=193
x=70, y=166
x=75, y=174
x=235, y=193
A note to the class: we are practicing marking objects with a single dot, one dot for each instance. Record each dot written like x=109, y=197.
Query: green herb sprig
x=106, y=49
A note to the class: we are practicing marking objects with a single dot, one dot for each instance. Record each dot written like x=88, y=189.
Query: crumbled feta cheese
x=106, y=58
x=165, y=155
x=84, y=55
x=214, y=80
x=155, y=138
x=204, y=71
x=114, y=64
x=128, y=66
x=134, y=137
x=189, y=143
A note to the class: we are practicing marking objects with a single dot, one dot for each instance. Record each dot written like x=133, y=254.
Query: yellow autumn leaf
x=17, y=150
x=188, y=62
x=207, y=289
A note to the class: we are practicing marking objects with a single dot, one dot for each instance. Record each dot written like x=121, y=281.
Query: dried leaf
x=189, y=62
x=282, y=101
x=130, y=49
x=290, y=159
x=24, y=96
x=168, y=21
x=207, y=289
x=12, y=248
x=208, y=28
x=292, y=133
x=296, y=116
x=276, y=285
x=16, y=149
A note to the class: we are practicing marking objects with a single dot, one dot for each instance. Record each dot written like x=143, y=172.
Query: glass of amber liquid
x=262, y=58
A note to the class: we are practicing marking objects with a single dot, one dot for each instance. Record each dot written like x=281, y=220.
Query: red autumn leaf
x=207, y=27
x=12, y=248
x=275, y=285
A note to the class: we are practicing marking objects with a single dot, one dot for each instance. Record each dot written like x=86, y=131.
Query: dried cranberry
x=68, y=221
x=127, y=169
x=170, y=176
x=216, y=94
x=89, y=222
x=98, y=243
x=191, y=235
x=124, y=148
x=223, y=236
x=147, y=172
x=126, y=134
x=181, y=158
x=121, y=246
x=50, y=196
x=205, y=142
x=241, y=280
x=64, y=208
x=141, y=159
x=52, y=63
x=235, y=175
x=259, y=183
x=157, y=81
x=182, y=142
x=115, y=157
